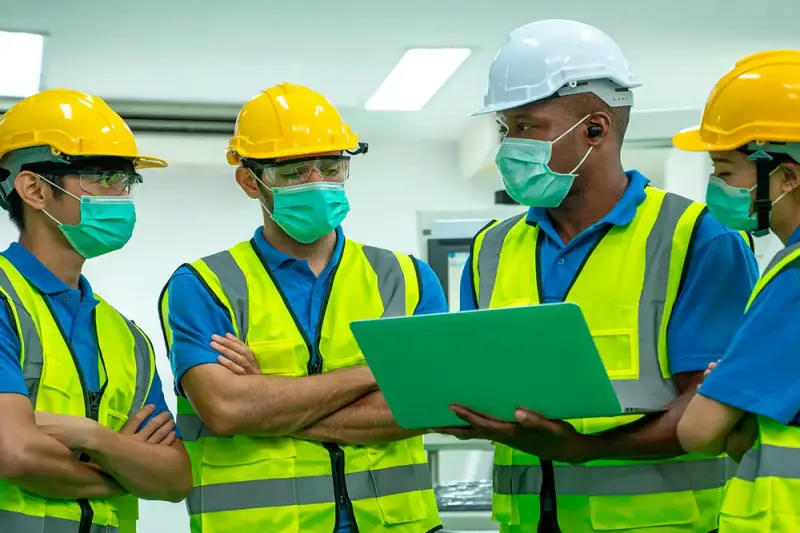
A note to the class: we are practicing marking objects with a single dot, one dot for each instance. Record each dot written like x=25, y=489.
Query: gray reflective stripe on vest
x=391, y=282
x=651, y=390
x=309, y=490
x=33, y=360
x=234, y=285
x=141, y=354
x=21, y=523
x=192, y=428
x=489, y=258
x=780, y=256
x=607, y=480
x=770, y=461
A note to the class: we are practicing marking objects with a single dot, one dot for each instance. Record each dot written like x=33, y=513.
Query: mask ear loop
x=566, y=133
x=54, y=219
x=260, y=197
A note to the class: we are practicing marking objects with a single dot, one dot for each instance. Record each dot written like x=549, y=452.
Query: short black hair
x=583, y=104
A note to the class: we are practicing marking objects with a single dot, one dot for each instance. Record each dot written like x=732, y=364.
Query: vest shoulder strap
x=785, y=258
x=399, y=282
x=485, y=253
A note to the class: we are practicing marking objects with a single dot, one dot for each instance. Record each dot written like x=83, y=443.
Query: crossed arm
x=235, y=398
x=38, y=452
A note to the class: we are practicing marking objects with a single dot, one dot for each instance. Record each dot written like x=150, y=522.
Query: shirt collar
x=620, y=215
x=276, y=259
x=39, y=275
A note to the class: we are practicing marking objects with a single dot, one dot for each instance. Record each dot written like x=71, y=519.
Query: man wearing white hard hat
x=661, y=284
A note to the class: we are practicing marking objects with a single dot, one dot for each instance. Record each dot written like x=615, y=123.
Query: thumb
x=522, y=416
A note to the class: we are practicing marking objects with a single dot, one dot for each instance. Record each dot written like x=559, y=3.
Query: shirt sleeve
x=156, y=397
x=760, y=370
x=432, y=299
x=11, y=378
x=720, y=278
x=466, y=295
x=194, y=317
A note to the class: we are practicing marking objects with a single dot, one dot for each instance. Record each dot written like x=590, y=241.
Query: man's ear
x=248, y=182
x=791, y=177
x=32, y=189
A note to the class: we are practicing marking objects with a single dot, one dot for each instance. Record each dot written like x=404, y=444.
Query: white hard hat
x=547, y=57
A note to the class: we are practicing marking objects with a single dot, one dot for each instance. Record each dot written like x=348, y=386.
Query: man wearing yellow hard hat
x=84, y=428
x=283, y=421
x=748, y=404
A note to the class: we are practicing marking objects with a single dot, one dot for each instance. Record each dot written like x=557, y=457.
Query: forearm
x=148, y=471
x=651, y=437
x=274, y=406
x=365, y=421
x=48, y=469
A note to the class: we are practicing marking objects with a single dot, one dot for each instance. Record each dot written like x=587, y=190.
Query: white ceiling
x=224, y=52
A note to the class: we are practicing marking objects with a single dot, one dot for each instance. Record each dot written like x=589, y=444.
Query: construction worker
x=84, y=428
x=749, y=403
x=661, y=285
x=283, y=421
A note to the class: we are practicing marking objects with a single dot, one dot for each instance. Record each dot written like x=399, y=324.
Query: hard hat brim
x=689, y=140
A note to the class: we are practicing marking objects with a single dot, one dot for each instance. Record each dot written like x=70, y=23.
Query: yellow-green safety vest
x=284, y=484
x=764, y=494
x=626, y=289
x=55, y=385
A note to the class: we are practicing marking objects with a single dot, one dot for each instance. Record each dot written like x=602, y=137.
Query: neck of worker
x=595, y=193
x=784, y=229
x=317, y=253
x=54, y=251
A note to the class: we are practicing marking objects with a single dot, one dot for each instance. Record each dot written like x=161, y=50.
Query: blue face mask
x=525, y=167
x=732, y=206
x=106, y=224
x=308, y=211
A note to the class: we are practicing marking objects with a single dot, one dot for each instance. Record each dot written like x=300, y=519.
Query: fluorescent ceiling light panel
x=420, y=73
x=20, y=63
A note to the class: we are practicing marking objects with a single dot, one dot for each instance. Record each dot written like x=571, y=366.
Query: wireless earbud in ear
x=595, y=131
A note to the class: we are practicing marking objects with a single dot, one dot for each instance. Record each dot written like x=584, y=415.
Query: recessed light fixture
x=20, y=63
x=419, y=74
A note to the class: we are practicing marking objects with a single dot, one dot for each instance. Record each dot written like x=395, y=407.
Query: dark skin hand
x=654, y=436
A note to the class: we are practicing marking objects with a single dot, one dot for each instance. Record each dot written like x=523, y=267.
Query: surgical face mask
x=732, y=205
x=308, y=211
x=106, y=224
x=525, y=167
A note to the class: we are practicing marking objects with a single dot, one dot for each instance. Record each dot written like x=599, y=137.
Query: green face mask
x=308, y=211
x=106, y=224
x=732, y=205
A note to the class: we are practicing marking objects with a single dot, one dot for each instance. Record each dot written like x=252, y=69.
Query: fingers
x=529, y=419
x=153, y=425
x=169, y=439
x=230, y=365
x=230, y=342
x=133, y=423
x=162, y=432
x=476, y=420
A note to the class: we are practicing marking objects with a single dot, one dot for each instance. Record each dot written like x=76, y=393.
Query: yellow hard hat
x=288, y=120
x=71, y=123
x=758, y=101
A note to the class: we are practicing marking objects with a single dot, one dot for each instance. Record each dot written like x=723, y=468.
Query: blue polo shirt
x=721, y=274
x=73, y=309
x=760, y=371
x=194, y=316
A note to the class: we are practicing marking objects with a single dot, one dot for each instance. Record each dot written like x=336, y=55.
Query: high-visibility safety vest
x=626, y=289
x=283, y=484
x=55, y=384
x=764, y=494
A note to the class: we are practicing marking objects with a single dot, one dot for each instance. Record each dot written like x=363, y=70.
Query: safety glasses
x=334, y=169
x=105, y=182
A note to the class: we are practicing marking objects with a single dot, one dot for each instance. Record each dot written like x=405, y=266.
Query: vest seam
x=687, y=261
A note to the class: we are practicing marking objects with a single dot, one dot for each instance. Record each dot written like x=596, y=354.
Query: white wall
x=195, y=207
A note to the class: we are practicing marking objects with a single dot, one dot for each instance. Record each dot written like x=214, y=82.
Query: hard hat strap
x=762, y=205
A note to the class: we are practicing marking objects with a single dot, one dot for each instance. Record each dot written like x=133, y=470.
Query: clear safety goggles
x=334, y=169
x=108, y=182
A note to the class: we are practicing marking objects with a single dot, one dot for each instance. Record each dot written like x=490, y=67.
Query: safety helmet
x=755, y=104
x=561, y=57
x=63, y=125
x=288, y=120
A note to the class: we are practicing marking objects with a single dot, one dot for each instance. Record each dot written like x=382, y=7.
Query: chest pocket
x=280, y=358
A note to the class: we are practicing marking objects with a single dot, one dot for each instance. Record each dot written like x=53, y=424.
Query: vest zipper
x=336, y=452
x=548, y=512
x=91, y=403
